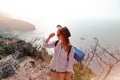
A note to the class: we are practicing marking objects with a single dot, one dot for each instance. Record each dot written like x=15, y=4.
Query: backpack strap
x=69, y=53
x=56, y=42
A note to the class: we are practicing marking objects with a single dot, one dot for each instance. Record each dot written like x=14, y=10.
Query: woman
x=63, y=57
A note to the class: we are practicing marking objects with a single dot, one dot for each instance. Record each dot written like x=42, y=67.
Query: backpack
x=78, y=54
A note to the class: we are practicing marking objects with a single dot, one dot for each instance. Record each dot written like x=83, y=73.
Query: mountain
x=10, y=24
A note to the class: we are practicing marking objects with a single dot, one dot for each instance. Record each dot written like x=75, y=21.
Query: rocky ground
x=23, y=69
x=18, y=61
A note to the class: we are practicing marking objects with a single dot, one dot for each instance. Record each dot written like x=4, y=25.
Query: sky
x=83, y=17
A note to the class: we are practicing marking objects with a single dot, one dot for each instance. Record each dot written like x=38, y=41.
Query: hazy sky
x=48, y=13
x=84, y=17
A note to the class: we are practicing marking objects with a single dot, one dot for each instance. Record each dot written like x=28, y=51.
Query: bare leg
x=61, y=76
x=53, y=75
x=68, y=76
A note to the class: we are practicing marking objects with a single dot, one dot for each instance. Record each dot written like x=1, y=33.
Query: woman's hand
x=51, y=35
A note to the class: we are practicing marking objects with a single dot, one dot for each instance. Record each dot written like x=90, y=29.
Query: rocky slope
x=23, y=69
x=21, y=61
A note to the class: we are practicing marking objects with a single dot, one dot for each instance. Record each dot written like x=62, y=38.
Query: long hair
x=67, y=43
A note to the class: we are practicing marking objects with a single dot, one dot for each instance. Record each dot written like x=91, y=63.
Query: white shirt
x=59, y=61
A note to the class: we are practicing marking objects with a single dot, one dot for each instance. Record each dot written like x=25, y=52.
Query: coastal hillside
x=21, y=61
x=10, y=24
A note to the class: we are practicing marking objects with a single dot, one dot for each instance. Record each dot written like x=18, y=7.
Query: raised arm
x=49, y=37
x=51, y=44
